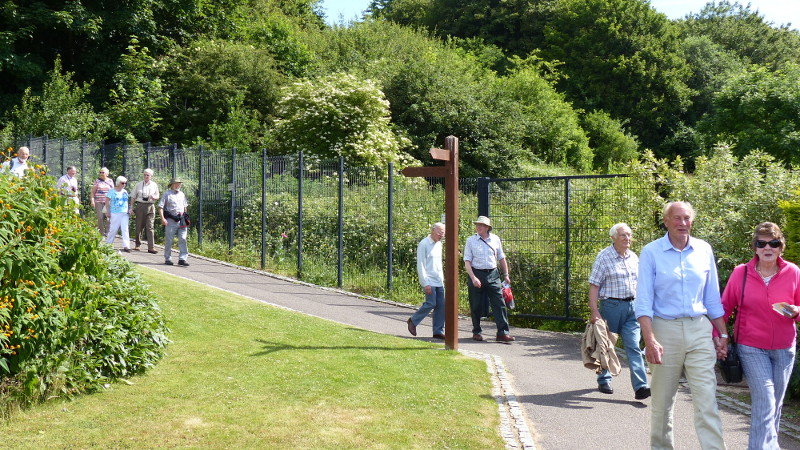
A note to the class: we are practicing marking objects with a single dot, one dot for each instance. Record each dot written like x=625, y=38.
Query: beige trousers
x=687, y=348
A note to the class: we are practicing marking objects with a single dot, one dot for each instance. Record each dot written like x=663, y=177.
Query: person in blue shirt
x=677, y=306
x=117, y=199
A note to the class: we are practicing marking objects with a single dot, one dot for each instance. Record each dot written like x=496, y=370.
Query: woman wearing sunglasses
x=765, y=292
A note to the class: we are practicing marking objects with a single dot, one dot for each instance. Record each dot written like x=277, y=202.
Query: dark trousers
x=145, y=214
x=491, y=287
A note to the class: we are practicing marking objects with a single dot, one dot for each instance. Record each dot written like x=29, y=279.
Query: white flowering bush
x=338, y=115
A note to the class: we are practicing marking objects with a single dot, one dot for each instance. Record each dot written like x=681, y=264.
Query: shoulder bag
x=731, y=367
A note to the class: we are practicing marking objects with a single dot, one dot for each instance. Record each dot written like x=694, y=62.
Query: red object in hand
x=508, y=296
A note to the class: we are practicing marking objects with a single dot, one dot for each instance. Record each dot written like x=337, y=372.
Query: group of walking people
x=669, y=296
x=113, y=206
x=484, y=260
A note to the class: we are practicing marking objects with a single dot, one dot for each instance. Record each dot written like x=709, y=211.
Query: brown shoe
x=505, y=338
x=438, y=336
x=477, y=337
x=136, y=248
x=155, y=252
x=411, y=327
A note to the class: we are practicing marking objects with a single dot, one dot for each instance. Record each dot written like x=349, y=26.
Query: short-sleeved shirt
x=16, y=167
x=483, y=253
x=68, y=185
x=118, y=201
x=616, y=275
x=102, y=188
x=174, y=202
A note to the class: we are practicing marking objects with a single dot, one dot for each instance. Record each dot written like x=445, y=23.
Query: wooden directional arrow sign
x=438, y=171
x=440, y=153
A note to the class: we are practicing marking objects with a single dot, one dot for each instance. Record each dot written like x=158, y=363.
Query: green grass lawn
x=240, y=374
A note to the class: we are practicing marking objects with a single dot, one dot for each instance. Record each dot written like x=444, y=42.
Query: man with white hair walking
x=431, y=278
x=19, y=164
x=613, y=280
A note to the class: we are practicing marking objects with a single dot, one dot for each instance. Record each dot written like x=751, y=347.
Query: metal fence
x=357, y=227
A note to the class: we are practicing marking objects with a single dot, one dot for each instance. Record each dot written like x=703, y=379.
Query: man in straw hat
x=172, y=208
x=483, y=253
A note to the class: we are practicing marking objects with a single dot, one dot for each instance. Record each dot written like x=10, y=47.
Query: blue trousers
x=433, y=301
x=768, y=373
x=621, y=319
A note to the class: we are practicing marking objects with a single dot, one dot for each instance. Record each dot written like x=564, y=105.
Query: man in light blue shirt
x=678, y=305
x=431, y=278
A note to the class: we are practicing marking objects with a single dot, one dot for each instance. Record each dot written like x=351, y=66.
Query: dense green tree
x=137, y=97
x=202, y=78
x=746, y=33
x=437, y=90
x=612, y=146
x=623, y=57
x=759, y=109
x=60, y=111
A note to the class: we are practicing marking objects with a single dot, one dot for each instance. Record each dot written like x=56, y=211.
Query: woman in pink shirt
x=766, y=294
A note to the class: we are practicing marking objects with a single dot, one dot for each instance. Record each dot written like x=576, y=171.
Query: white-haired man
x=613, y=281
x=677, y=305
x=145, y=194
x=431, y=278
x=19, y=164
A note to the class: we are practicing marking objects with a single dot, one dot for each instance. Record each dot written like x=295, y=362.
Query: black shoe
x=183, y=263
x=168, y=262
x=605, y=388
x=438, y=336
x=126, y=250
x=642, y=393
x=412, y=328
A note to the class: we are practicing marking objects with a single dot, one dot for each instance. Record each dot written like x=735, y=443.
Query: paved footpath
x=546, y=398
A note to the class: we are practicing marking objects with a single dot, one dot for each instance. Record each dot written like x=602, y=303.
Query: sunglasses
x=775, y=243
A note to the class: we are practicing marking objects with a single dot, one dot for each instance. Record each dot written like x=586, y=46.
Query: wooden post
x=449, y=171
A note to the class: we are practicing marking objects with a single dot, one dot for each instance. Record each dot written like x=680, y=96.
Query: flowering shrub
x=338, y=115
x=73, y=313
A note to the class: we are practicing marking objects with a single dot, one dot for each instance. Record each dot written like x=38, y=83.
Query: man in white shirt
x=68, y=185
x=431, y=278
x=19, y=164
x=483, y=257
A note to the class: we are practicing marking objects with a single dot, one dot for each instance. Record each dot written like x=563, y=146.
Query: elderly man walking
x=613, y=280
x=678, y=305
x=19, y=164
x=431, y=278
x=172, y=208
x=483, y=256
x=145, y=194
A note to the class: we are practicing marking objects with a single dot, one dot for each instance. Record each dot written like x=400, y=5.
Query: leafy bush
x=73, y=314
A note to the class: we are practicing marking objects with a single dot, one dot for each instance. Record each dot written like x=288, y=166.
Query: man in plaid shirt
x=613, y=281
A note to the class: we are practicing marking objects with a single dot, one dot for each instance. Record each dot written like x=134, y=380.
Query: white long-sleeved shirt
x=429, y=263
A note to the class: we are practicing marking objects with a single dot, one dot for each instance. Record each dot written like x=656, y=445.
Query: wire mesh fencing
x=357, y=228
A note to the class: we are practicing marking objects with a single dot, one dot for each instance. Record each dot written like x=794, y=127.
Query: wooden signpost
x=449, y=171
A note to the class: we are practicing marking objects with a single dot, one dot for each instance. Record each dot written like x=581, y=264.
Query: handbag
x=731, y=367
x=508, y=296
